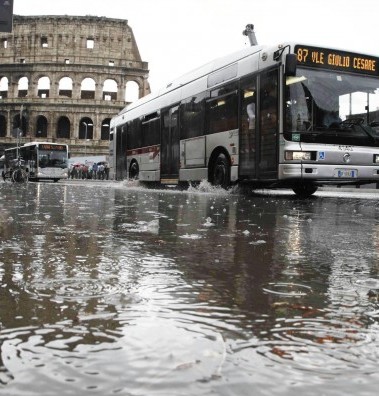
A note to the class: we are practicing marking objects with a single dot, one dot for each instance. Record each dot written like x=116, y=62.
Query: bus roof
x=27, y=144
x=199, y=72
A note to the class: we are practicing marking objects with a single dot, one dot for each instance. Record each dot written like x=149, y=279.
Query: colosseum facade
x=62, y=78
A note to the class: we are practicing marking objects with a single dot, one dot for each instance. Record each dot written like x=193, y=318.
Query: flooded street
x=114, y=289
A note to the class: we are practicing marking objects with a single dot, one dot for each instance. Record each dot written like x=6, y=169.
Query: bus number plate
x=346, y=173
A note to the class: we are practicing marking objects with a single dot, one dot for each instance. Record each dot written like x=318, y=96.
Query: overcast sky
x=175, y=36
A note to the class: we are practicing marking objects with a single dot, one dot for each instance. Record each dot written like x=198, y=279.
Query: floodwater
x=114, y=289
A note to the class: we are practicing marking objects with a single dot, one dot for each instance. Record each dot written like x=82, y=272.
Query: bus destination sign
x=53, y=147
x=337, y=60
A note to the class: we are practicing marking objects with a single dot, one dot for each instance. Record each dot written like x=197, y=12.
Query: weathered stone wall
x=44, y=65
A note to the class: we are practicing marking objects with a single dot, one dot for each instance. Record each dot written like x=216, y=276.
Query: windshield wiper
x=358, y=121
x=350, y=122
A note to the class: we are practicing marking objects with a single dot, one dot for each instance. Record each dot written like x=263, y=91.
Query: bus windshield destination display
x=54, y=147
x=337, y=60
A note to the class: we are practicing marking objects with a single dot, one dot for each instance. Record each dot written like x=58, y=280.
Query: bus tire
x=19, y=176
x=304, y=190
x=220, y=172
x=134, y=171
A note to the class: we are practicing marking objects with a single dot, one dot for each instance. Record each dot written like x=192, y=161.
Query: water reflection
x=115, y=289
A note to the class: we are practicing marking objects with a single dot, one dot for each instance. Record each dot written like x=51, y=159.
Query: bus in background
x=41, y=160
x=287, y=116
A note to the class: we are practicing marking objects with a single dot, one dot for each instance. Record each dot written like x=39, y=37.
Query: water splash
x=205, y=187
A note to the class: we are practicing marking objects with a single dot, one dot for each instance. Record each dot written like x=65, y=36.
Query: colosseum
x=62, y=78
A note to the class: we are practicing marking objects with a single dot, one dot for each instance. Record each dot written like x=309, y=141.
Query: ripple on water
x=54, y=354
x=287, y=289
x=76, y=288
x=139, y=357
x=320, y=345
x=313, y=341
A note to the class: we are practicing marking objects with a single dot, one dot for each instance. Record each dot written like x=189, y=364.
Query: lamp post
x=19, y=132
x=85, y=136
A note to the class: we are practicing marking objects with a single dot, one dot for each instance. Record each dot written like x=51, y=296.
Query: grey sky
x=175, y=36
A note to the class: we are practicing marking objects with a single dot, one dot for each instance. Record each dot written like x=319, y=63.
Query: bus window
x=134, y=134
x=222, y=113
x=151, y=129
x=269, y=100
x=298, y=117
x=193, y=116
x=268, y=123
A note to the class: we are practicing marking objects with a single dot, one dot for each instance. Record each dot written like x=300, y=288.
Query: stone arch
x=41, y=127
x=4, y=87
x=110, y=90
x=57, y=50
x=63, y=127
x=86, y=128
x=23, y=87
x=88, y=88
x=3, y=126
x=132, y=89
x=105, y=126
x=65, y=87
x=43, y=87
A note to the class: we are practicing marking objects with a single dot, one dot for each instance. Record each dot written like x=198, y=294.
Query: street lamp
x=19, y=132
x=85, y=136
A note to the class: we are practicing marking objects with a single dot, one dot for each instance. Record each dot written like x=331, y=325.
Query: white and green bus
x=40, y=160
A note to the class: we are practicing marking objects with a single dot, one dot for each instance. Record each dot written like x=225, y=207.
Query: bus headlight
x=299, y=155
x=376, y=158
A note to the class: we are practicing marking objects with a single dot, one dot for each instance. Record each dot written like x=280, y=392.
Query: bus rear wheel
x=304, y=190
x=134, y=171
x=220, y=173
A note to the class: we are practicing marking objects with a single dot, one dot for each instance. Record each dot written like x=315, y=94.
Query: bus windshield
x=324, y=106
x=52, y=159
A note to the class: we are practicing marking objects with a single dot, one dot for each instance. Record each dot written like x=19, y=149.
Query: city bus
x=40, y=160
x=287, y=116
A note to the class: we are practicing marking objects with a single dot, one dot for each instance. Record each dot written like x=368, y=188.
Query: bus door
x=32, y=158
x=268, y=126
x=120, y=153
x=170, y=145
x=248, y=129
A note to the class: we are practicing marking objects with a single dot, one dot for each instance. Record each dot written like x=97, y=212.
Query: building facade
x=62, y=78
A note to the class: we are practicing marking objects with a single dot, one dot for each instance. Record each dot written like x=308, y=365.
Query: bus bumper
x=329, y=173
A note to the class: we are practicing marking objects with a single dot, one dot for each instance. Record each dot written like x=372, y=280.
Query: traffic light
x=6, y=15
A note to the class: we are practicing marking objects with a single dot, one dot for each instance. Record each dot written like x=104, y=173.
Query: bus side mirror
x=291, y=62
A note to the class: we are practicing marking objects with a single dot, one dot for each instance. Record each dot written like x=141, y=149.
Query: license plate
x=347, y=173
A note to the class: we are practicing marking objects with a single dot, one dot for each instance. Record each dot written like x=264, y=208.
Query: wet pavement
x=113, y=289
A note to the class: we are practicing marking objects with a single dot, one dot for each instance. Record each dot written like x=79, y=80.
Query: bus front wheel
x=19, y=176
x=220, y=173
x=304, y=190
